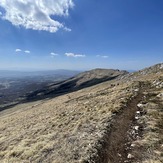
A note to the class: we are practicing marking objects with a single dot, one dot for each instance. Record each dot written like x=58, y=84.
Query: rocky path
x=124, y=130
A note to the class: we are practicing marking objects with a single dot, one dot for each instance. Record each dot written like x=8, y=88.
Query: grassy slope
x=150, y=146
x=67, y=128
x=63, y=129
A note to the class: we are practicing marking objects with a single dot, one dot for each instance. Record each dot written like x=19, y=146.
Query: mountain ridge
x=82, y=80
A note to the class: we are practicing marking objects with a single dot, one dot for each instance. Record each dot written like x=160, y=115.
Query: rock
x=138, y=112
x=119, y=155
x=136, y=117
x=160, y=95
x=130, y=156
x=133, y=145
x=140, y=105
x=136, y=127
x=132, y=132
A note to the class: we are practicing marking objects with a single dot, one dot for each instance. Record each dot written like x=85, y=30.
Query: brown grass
x=152, y=140
x=67, y=129
x=63, y=129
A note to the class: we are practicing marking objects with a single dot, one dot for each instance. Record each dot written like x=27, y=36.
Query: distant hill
x=82, y=80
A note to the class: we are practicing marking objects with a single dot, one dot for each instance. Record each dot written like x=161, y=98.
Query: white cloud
x=18, y=50
x=74, y=55
x=102, y=56
x=67, y=29
x=105, y=56
x=53, y=54
x=36, y=14
x=27, y=51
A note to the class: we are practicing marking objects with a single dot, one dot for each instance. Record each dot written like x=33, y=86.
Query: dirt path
x=118, y=138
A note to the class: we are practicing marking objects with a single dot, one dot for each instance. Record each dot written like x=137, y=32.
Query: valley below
x=15, y=85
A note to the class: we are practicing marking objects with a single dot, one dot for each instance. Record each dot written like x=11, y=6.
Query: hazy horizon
x=80, y=70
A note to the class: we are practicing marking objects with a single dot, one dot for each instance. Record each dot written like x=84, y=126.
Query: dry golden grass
x=63, y=129
x=152, y=140
x=67, y=129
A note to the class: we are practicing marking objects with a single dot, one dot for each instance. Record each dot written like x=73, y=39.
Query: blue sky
x=80, y=35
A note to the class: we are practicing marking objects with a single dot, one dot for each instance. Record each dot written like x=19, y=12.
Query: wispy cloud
x=67, y=29
x=41, y=12
x=105, y=56
x=18, y=50
x=74, y=55
x=27, y=51
x=102, y=56
x=53, y=54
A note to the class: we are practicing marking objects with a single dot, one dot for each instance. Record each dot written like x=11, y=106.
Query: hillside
x=98, y=121
x=82, y=80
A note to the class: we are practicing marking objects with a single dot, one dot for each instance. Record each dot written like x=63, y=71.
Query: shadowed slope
x=83, y=80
